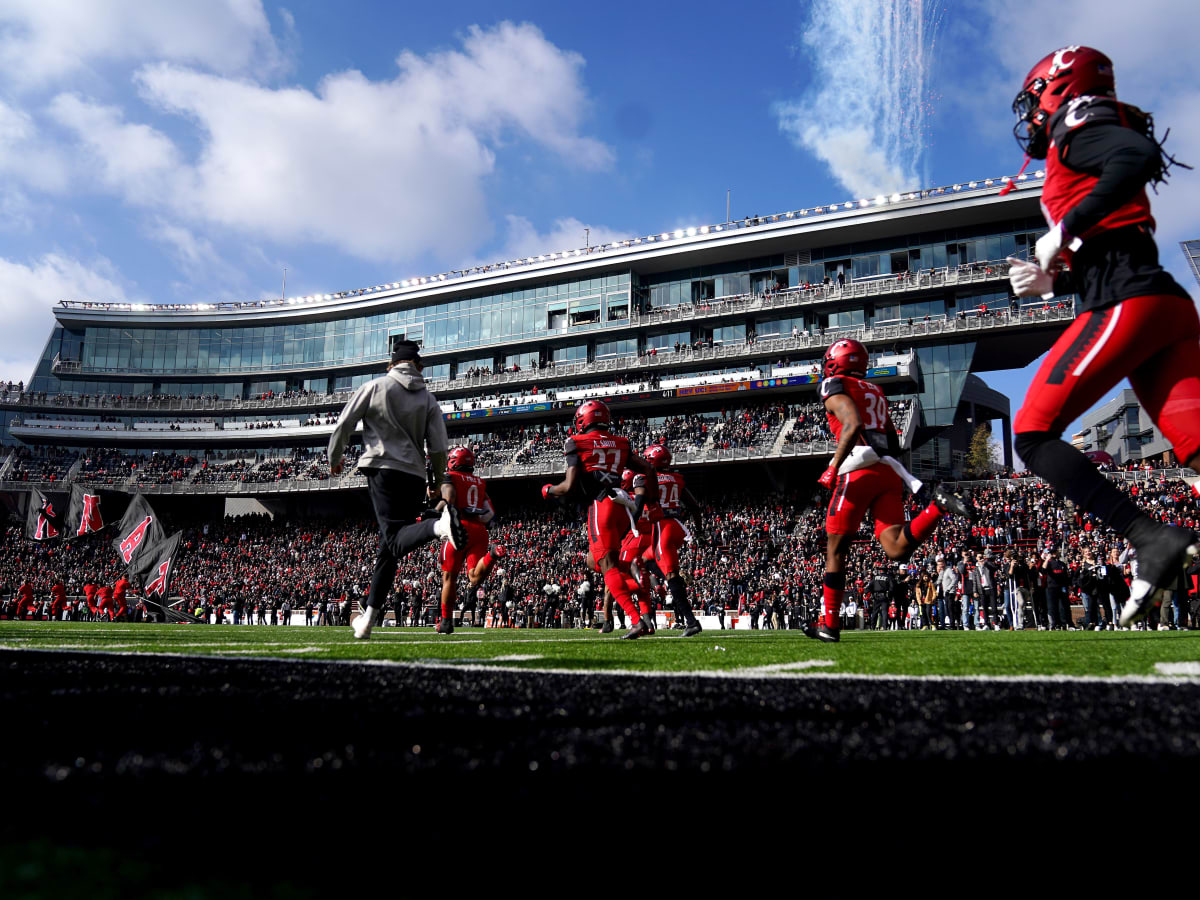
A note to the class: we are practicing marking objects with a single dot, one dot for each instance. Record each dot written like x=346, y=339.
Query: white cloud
x=46, y=40
x=28, y=156
x=865, y=115
x=28, y=291
x=523, y=240
x=136, y=160
x=383, y=170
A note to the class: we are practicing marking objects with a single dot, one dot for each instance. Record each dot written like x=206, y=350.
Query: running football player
x=467, y=492
x=637, y=543
x=865, y=473
x=595, y=459
x=669, y=532
x=1135, y=320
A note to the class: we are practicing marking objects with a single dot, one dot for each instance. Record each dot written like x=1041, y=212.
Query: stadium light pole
x=587, y=238
x=284, y=297
x=727, y=192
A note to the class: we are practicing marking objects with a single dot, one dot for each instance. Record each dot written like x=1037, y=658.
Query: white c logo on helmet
x=1060, y=62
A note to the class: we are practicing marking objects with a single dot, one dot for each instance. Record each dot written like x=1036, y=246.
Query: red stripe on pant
x=1152, y=340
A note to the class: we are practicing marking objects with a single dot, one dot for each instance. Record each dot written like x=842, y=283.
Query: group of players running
x=637, y=503
x=1135, y=321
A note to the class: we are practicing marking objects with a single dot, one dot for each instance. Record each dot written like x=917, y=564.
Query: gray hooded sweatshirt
x=400, y=419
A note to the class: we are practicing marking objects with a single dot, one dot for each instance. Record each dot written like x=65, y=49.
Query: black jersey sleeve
x=831, y=386
x=571, y=452
x=1091, y=135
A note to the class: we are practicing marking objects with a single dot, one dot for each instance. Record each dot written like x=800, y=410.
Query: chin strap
x=1010, y=184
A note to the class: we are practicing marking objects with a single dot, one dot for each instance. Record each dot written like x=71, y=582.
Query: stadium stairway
x=7, y=465
x=782, y=436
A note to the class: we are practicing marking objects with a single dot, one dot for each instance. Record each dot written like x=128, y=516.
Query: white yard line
x=785, y=671
x=1177, y=668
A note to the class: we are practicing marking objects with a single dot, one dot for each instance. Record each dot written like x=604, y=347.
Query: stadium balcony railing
x=968, y=273
x=1137, y=475
x=765, y=224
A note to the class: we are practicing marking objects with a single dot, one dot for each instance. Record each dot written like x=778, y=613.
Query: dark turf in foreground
x=113, y=758
x=91, y=720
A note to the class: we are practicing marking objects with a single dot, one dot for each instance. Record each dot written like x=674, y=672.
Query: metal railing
x=619, y=247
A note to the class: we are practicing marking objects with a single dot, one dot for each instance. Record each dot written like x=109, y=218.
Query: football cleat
x=362, y=625
x=450, y=528
x=821, y=632
x=445, y=626
x=692, y=630
x=636, y=631
x=1158, y=564
x=950, y=502
x=607, y=627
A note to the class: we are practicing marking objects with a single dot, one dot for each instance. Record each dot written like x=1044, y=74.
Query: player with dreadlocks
x=1135, y=320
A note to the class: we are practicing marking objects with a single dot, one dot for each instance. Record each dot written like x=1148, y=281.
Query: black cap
x=406, y=351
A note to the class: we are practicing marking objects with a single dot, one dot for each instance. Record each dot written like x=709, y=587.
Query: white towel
x=863, y=456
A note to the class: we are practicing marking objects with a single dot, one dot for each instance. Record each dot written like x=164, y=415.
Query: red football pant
x=1154, y=340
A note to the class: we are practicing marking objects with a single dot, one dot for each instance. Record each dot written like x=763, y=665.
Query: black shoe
x=445, y=626
x=949, y=502
x=636, y=631
x=648, y=621
x=458, y=531
x=606, y=628
x=821, y=632
x=692, y=630
x=1159, y=563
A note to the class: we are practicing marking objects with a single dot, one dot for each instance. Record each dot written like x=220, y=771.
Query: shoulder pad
x=831, y=386
x=569, y=447
x=1081, y=111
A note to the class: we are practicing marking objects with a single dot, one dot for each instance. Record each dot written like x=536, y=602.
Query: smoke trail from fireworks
x=865, y=117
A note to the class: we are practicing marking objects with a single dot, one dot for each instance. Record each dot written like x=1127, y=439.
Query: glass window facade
x=944, y=370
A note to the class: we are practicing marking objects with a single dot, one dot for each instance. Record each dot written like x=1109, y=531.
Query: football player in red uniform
x=467, y=492
x=58, y=602
x=865, y=473
x=669, y=532
x=595, y=460
x=1135, y=320
x=634, y=546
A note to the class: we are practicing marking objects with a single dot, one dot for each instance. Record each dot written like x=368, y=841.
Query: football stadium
x=216, y=418
x=729, y=519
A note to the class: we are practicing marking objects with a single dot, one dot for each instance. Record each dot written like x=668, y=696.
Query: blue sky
x=190, y=152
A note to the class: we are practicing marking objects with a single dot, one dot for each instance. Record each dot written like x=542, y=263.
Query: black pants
x=398, y=499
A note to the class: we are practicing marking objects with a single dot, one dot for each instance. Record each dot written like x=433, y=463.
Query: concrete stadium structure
x=694, y=320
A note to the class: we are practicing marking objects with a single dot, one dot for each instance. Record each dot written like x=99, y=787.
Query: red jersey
x=470, y=495
x=670, y=492
x=872, y=408
x=651, y=510
x=119, y=590
x=602, y=456
x=1064, y=187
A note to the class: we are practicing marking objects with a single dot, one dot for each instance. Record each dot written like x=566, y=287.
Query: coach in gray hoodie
x=400, y=421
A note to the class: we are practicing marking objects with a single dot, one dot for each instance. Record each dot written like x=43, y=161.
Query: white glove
x=1051, y=244
x=1029, y=280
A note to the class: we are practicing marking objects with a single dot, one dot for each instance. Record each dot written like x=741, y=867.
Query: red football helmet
x=591, y=414
x=461, y=460
x=658, y=456
x=1063, y=75
x=627, y=480
x=845, y=357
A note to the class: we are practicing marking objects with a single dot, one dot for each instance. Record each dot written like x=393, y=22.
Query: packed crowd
x=759, y=555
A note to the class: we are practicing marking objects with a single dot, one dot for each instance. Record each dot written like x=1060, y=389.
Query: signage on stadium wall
x=694, y=391
x=497, y=411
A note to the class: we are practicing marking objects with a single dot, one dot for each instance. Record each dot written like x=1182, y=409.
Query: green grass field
x=741, y=652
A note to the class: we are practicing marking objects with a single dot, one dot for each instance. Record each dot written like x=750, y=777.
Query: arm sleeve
x=351, y=415
x=1122, y=161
